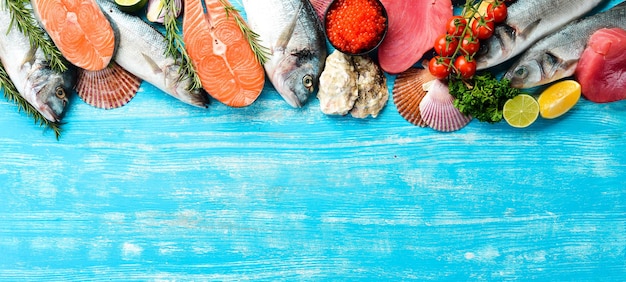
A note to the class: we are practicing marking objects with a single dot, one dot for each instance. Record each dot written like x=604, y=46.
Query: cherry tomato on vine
x=482, y=28
x=445, y=45
x=439, y=67
x=456, y=25
x=465, y=66
x=470, y=45
x=497, y=11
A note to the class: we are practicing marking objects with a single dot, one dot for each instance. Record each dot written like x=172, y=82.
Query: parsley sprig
x=482, y=97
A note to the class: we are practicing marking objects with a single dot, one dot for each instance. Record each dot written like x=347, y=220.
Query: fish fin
x=109, y=88
x=529, y=29
x=285, y=36
x=153, y=65
x=30, y=56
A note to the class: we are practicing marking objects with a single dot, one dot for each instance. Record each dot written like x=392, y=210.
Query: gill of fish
x=556, y=56
x=46, y=90
x=528, y=21
x=142, y=52
x=297, y=51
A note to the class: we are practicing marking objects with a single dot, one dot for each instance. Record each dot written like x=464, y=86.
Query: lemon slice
x=521, y=111
x=559, y=98
x=131, y=6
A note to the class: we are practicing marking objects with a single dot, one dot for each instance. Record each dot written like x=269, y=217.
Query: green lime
x=521, y=111
x=131, y=6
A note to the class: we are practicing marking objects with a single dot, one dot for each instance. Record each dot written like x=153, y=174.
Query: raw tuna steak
x=601, y=70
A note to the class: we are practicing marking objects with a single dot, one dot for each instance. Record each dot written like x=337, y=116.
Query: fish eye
x=521, y=72
x=307, y=81
x=59, y=92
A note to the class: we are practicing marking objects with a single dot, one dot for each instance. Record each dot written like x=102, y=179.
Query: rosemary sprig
x=175, y=44
x=22, y=17
x=11, y=94
x=261, y=52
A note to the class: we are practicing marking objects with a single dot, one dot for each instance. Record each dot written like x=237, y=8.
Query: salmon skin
x=79, y=30
x=556, y=56
x=220, y=53
x=46, y=90
x=141, y=51
x=528, y=21
x=293, y=34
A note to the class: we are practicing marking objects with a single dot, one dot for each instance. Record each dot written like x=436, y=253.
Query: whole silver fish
x=141, y=51
x=46, y=90
x=556, y=56
x=527, y=22
x=293, y=34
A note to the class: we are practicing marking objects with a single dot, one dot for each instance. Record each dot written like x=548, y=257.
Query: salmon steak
x=80, y=31
x=220, y=53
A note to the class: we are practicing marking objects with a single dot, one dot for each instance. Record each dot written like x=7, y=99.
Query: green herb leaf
x=482, y=97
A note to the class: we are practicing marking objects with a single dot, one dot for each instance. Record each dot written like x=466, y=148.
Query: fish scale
x=556, y=56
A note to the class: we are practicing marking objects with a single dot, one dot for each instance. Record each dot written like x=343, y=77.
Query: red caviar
x=355, y=26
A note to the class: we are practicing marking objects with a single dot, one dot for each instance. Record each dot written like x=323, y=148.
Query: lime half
x=521, y=111
x=131, y=6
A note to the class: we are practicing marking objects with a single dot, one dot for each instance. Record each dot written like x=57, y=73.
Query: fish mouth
x=291, y=99
x=49, y=114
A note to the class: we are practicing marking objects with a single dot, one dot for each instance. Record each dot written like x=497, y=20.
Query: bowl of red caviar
x=355, y=27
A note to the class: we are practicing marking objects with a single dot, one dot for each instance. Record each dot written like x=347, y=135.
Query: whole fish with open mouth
x=46, y=90
x=556, y=56
x=293, y=33
x=141, y=51
x=528, y=21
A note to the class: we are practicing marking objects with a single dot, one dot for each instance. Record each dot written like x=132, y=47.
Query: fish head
x=497, y=49
x=296, y=76
x=51, y=94
x=539, y=68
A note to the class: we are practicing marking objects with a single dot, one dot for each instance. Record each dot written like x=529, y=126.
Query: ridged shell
x=408, y=93
x=320, y=7
x=109, y=88
x=438, y=111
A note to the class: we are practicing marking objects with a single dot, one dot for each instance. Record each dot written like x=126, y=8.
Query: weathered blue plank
x=158, y=190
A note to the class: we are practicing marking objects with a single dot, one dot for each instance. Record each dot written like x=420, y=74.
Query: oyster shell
x=438, y=110
x=372, y=85
x=338, y=85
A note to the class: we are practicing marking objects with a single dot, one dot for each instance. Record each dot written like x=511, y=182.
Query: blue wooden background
x=158, y=190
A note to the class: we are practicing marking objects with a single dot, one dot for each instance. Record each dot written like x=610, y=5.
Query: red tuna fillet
x=413, y=28
x=601, y=70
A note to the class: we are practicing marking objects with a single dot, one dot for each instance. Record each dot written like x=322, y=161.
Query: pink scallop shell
x=438, y=110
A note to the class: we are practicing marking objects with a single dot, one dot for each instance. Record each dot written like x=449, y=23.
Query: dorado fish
x=46, y=90
x=293, y=34
x=556, y=56
x=527, y=22
x=141, y=51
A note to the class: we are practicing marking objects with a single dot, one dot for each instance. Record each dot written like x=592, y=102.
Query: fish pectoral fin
x=153, y=65
x=529, y=29
x=30, y=56
x=285, y=36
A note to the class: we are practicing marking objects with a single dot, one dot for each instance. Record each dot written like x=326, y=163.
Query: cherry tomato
x=456, y=25
x=470, y=45
x=482, y=28
x=465, y=66
x=497, y=11
x=439, y=67
x=445, y=45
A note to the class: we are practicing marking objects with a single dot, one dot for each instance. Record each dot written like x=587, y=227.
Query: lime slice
x=559, y=98
x=521, y=111
x=131, y=6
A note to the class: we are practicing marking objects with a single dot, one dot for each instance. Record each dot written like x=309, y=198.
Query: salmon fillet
x=221, y=55
x=413, y=28
x=79, y=29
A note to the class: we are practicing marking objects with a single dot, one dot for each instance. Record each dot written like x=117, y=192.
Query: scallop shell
x=438, y=111
x=109, y=88
x=408, y=93
x=320, y=7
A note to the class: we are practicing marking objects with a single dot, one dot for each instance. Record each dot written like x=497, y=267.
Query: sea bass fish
x=141, y=51
x=556, y=56
x=527, y=22
x=293, y=34
x=46, y=90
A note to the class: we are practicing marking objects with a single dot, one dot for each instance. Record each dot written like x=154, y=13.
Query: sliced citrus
x=131, y=6
x=559, y=98
x=521, y=110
